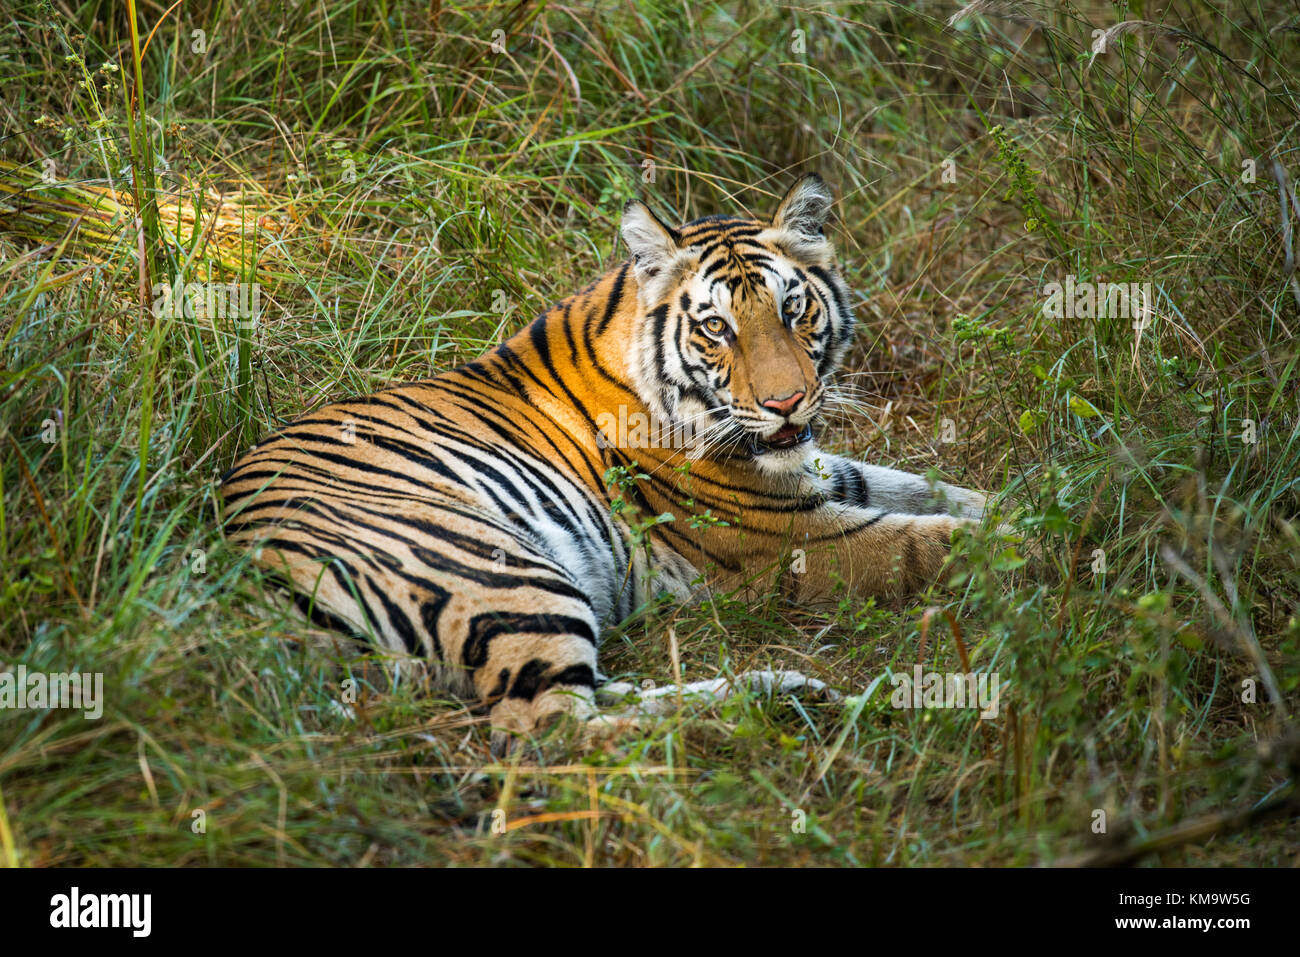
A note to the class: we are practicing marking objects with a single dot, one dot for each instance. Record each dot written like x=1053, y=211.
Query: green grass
x=407, y=197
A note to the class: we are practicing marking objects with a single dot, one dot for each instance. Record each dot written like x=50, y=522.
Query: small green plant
x=623, y=505
x=1023, y=188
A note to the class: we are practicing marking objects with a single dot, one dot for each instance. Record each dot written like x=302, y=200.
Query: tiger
x=494, y=520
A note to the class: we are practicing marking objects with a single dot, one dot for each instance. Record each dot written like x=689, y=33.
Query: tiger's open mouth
x=787, y=437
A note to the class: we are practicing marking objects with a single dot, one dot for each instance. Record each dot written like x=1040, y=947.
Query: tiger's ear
x=804, y=209
x=654, y=245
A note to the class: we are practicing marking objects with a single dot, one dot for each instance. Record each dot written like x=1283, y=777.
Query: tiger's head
x=742, y=321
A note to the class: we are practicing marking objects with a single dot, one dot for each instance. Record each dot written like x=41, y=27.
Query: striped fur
x=466, y=519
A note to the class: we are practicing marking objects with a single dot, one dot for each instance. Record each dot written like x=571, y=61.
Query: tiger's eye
x=793, y=306
x=715, y=326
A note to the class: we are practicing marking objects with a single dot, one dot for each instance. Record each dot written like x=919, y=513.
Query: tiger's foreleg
x=868, y=550
x=872, y=486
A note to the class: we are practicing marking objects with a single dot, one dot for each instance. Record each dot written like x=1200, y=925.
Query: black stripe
x=483, y=628
x=430, y=611
x=615, y=298
x=537, y=335
x=530, y=679
x=580, y=675
x=400, y=622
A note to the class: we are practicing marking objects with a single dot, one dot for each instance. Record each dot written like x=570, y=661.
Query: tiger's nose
x=784, y=406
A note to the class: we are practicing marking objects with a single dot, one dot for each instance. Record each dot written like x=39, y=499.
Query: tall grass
x=408, y=186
